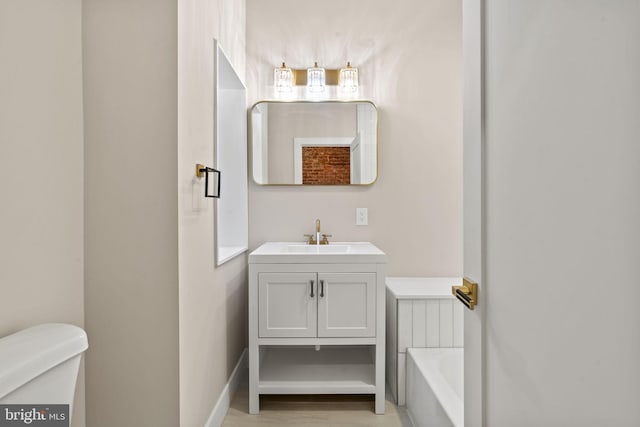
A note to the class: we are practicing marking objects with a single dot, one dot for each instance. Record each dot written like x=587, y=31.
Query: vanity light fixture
x=348, y=80
x=315, y=78
x=320, y=83
x=283, y=79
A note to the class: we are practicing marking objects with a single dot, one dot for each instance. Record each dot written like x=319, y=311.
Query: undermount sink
x=298, y=252
x=318, y=249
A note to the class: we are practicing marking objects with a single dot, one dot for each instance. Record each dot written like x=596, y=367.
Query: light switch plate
x=362, y=216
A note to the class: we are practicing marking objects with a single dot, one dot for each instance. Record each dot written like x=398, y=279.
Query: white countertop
x=299, y=253
x=422, y=287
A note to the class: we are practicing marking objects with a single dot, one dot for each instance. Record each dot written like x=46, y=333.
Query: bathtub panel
x=433, y=323
x=419, y=323
x=392, y=373
x=391, y=343
x=405, y=328
x=402, y=378
x=446, y=323
x=458, y=325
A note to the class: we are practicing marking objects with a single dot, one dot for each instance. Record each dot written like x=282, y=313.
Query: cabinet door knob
x=311, y=284
x=321, y=288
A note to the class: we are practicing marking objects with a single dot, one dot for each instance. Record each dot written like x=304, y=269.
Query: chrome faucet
x=315, y=239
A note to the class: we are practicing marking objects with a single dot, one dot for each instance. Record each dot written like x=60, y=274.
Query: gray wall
x=41, y=173
x=213, y=300
x=131, y=196
x=122, y=225
x=409, y=55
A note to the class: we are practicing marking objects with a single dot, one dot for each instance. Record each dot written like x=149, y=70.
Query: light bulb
x=315, y=78
x=348, y=79
x=283, y=79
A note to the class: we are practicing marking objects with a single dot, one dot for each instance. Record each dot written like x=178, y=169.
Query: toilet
x=39, y=365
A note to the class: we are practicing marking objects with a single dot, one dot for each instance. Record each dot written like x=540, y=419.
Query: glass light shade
x=348, y=79
x=283, y=79
x=315, y=78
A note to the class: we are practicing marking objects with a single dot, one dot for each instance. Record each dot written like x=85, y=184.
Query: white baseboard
x=222, y=405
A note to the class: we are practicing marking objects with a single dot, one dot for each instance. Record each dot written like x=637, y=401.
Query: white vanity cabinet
x=316, y=321
x=316, y=305
x=286, y=305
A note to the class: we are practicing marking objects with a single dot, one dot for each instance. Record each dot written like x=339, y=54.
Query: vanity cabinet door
x=346, y=305
x=287, y=304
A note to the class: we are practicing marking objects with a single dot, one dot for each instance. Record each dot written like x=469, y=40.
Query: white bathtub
x=435, y=387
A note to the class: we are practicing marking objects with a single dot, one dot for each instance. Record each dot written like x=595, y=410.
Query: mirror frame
x=302, y=101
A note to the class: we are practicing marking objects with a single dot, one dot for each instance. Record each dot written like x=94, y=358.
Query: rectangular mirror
x=314, y=143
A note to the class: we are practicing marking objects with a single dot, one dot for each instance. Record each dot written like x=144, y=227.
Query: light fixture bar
x=300, y=77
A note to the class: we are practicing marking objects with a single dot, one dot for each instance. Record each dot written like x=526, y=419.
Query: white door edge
x=473, y=218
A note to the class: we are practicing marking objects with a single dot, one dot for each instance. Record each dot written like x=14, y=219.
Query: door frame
x=473, y=209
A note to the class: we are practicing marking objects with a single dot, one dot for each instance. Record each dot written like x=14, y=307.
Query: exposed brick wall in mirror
x=326, y=165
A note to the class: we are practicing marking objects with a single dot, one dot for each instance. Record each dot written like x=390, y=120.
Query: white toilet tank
x=39, y=365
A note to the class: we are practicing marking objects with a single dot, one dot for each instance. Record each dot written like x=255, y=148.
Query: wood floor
x=303, y=410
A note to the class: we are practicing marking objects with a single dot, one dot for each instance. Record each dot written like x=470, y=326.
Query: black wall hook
x=205, y=171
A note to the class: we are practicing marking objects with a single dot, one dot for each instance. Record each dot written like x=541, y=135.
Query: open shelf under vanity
x=307, y=370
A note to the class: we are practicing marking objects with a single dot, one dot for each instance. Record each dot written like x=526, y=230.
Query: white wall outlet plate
x=362, y=216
